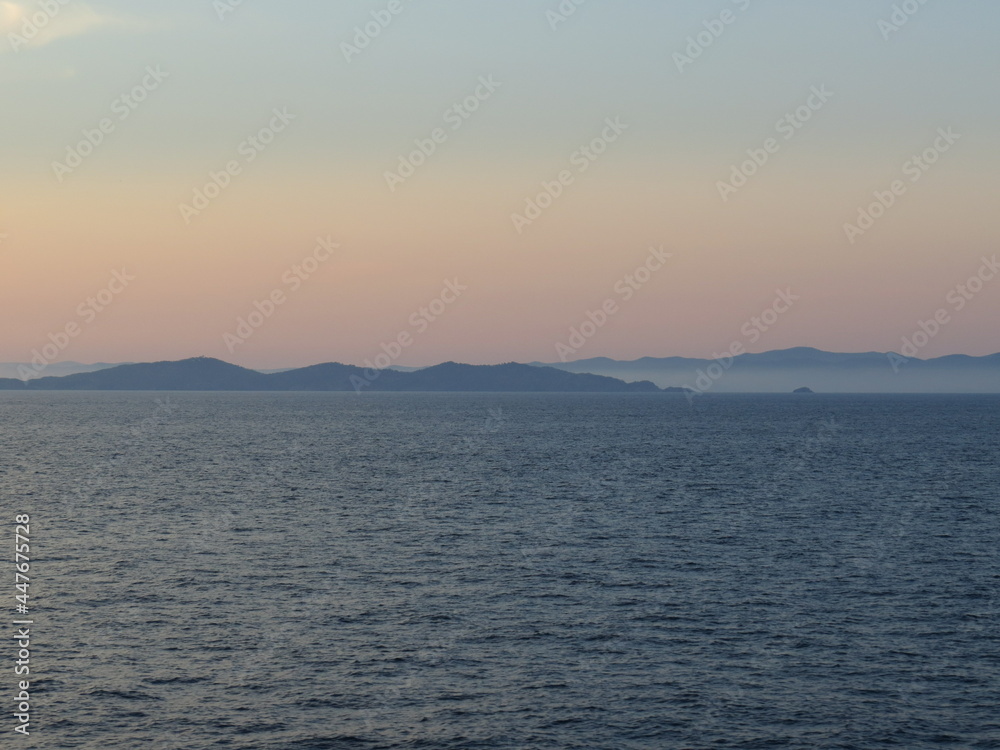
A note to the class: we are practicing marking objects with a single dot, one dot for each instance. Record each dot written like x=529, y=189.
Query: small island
x=803, y=389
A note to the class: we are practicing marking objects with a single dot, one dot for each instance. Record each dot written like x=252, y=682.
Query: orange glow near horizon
x=655, y=185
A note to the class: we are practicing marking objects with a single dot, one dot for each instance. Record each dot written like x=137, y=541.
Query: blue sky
x=354, y=120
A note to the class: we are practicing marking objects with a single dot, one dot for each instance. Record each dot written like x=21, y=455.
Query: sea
x=491, y=571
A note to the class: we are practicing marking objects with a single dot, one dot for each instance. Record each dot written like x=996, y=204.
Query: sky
x=282, y=184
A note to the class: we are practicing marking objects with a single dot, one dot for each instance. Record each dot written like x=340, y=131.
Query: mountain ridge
x=210, y=374
x=778, y=371
x=782, y=370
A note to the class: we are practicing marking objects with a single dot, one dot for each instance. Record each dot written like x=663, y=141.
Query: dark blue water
x=507, y=571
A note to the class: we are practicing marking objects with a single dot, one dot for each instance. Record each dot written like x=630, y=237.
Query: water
x=507, y=571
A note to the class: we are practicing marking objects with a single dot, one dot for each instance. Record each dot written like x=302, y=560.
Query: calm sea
x=506, y=571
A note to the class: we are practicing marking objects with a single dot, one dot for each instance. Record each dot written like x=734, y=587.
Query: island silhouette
x=209, y=374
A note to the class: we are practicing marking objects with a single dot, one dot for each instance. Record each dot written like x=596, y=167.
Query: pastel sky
x=181, y=87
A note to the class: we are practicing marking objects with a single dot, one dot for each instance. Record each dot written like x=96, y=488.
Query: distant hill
x=781, y=371
x=207, y=374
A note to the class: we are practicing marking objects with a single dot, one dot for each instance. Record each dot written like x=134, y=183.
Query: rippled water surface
x=507, y=571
